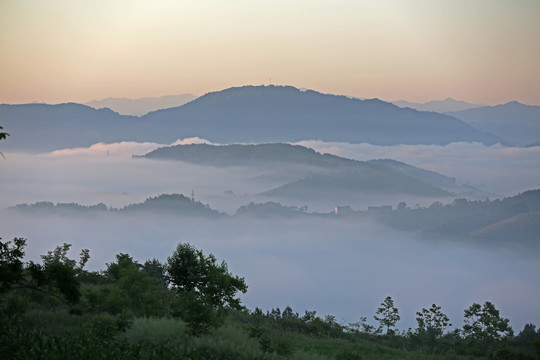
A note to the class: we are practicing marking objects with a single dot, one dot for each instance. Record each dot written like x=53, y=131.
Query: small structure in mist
x=343, y=210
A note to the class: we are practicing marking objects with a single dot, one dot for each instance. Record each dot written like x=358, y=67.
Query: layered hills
x=242, y=114
x=518, y=123
x=440, y=106
x=320, y=175
x=284, y=113
x=141, y=106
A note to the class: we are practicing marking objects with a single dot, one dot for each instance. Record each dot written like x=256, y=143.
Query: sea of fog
x=339, y=267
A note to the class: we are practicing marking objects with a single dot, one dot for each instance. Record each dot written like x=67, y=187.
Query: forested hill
x=262, y=155
x=513, y=221
x=172, y=204
x=326, y=175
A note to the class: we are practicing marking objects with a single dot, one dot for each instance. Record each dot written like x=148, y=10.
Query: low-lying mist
x=496, y=169
x=334, y=266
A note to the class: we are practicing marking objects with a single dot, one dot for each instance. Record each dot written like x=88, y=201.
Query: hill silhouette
x=284, y=113
x=440, y=106
x=141, y=106
x=262, y=155
x=518, y=123
x=512, y=221
x=344, y=184
x=323, y=175
x=242, y=114
x=43, y=127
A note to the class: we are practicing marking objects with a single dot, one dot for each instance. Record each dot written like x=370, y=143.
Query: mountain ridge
x=322, y=171
x=141, y=106
x=284, y=113
x=242, y=114
x=520, y=123
x=440, y=106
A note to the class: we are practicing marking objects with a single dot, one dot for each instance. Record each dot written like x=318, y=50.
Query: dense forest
x=187, y=308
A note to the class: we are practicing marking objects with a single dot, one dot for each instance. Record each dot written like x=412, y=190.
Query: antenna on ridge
x=270, y=82
x=192, y=196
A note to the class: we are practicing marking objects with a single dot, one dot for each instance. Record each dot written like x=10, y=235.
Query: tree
x=432, y=321
x=484, y=325
x=431, y=325
x=3, y=136
x=156, y=269
x=388, y=315
x=57, y=277
x=11, y=265
x=204, y=289
x=134, y=289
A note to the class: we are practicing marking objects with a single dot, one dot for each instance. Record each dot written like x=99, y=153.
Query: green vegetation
x=3, y=136
x=186, y=308
x=204, y=290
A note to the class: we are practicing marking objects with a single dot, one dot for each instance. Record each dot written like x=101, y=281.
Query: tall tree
x=56, y=277
x=431, y=324
x=388, y=315
x=432, y=321
x=484, y=326
x=204, y=288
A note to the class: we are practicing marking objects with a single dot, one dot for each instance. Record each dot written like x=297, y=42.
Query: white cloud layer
x=496, y=169
x=119, y=149
x=336, y=267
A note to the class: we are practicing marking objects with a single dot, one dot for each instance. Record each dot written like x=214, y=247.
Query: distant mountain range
x=516, y=122
x=141, y=106
x=244, y=114
x=323, y=175
x=42, y=127
x=440, y=106
x=284, y=113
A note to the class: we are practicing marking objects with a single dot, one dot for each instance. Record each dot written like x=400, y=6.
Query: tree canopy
x=204, y=288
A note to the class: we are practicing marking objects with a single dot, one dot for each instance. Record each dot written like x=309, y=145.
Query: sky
x=483, y=51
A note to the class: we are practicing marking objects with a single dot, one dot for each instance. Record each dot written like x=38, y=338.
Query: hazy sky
x=484, y=51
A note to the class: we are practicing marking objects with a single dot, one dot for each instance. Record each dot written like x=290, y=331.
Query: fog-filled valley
x=284, y=180
x=339, y=265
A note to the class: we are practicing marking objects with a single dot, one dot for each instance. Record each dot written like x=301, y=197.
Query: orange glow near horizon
x=418, y=50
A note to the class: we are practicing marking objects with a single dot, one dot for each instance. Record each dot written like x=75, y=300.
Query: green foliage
x=12, y=306
x=204, y=289
x=102, y=326
x=485, y=323
x=156, y=269
x=388, y=315
x=157, y=331
x=484, y=326
x=3, y=135
x=112, y=319
x=131, y=288
x=57, y=277
x=11, y=265
x=432, y=321
x=431, y=324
